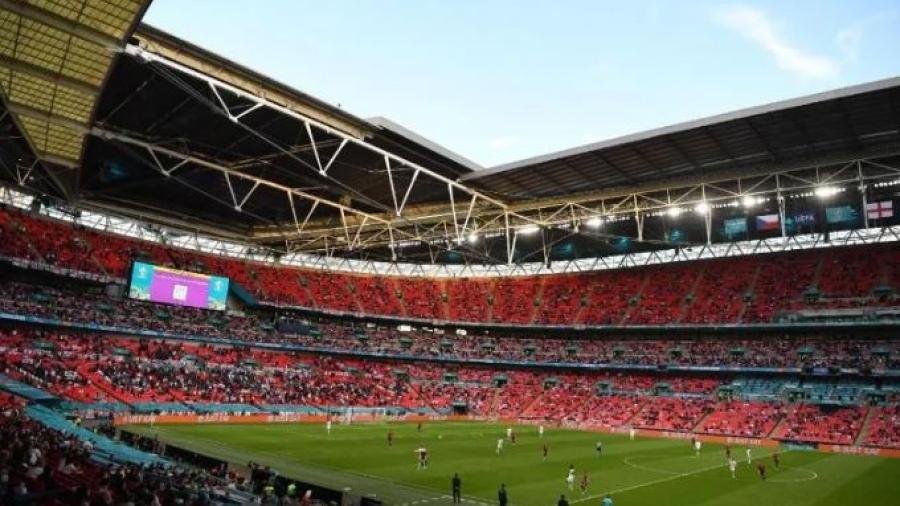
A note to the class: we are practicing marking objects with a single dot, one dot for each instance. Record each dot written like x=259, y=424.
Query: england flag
x=878, y=210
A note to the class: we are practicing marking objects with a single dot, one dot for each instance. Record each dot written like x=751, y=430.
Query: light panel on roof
x=54, y=58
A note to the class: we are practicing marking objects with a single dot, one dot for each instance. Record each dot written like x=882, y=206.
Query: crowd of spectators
x=742, y=289
x=741, y=418
x=424, y=342
x=40, y=465
x=672, y=413
x=884, y=427
x=189, y=375
x=818, y=424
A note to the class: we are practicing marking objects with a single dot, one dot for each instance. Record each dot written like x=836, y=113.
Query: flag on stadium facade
x=878, y=210
x=841, y=214
x=767, y=222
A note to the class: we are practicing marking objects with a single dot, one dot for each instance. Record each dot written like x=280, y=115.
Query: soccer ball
x=440, y=436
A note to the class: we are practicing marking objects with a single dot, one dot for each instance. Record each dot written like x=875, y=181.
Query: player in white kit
x=631, y=433
x=499, y=446
x=749, y=457
x=570, y=478
x=697, y=445
x=732, y=466
x=540, y=431
x=328, y=427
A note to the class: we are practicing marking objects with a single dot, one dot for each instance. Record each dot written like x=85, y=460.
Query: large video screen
x=172, y=286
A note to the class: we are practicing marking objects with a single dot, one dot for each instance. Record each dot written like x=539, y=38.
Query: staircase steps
x=820, y=266
x=778, y=426
x=535, y=310
x=639, y=294
x=392, y=286
x=492, y=409
x=751, y=288
x=631, y=418
x=686, y=305
x=532, y=404
x=700, y=421
x=864, y=429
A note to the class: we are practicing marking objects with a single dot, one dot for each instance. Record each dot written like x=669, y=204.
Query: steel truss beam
x=196, y=242
x=466, y=212
x=574, y=213
x=458, y=214
x=364, y=231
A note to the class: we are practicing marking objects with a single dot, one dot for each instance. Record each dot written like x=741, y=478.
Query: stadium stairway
x=864, y=429
x=28, y=242
x=576, y=318
x=751, y=288
x=393, y=289
x=640, y=293
x=95, y=380
x=686, y=304
x=817, y=275
x=535, y=403
x=539, y=295
x=358, y=302
x=100, y=267
x=777, y=428
x=305, y=289
x=630, y=421
x=700, y=421
x=444, y=305
x=492, y=408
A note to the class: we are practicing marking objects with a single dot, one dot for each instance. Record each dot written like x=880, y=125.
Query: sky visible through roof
x=501, y=80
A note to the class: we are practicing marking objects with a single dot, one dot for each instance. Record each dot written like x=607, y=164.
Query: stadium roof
x=54, y=59
x=849, y=121
x=185, y=138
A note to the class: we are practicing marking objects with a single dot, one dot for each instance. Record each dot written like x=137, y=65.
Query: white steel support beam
x=862, y=194
x=229, y=172
x=219, y=85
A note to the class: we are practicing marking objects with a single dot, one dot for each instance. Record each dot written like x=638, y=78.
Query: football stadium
x=218, y=289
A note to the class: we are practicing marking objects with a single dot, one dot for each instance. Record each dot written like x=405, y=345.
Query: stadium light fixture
x=529, y=230
x=702, y=208
x=673, y=212
x=595, y=222
x=749, y=201
x=473, y=238
x=823, y=192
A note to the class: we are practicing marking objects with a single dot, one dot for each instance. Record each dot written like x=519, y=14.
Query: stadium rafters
x=55, y=57
x=392, y=223
x=356, y=227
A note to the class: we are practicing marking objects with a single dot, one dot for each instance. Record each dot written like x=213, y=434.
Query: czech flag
x=767, y=222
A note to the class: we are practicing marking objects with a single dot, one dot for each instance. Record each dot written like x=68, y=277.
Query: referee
x=456, y=484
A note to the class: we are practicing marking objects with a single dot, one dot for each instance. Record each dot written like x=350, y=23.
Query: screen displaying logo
x=171, y=286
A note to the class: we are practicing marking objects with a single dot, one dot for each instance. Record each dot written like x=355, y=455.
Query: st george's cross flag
x=877, y=210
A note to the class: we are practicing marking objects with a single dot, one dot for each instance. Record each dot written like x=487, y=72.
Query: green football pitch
x=645, y=472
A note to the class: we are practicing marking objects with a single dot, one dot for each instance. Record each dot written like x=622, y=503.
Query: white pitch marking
x=648, y=483
x=812, y=474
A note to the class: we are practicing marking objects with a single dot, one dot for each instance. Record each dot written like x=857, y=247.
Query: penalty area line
x=654, y=482
x=648, y=483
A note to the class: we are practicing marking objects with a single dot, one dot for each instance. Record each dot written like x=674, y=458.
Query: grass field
x=644, y=472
